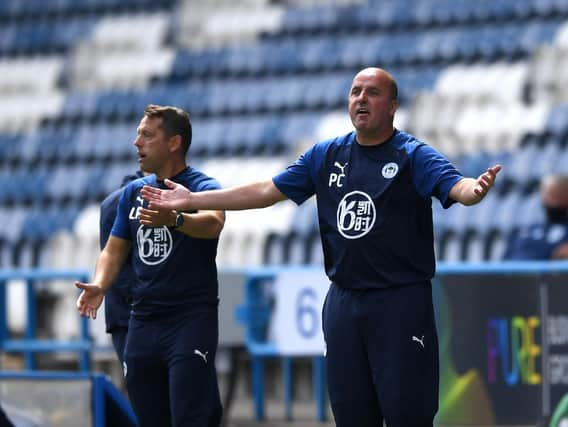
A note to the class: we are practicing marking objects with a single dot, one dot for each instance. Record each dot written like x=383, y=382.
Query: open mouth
x=362, y=111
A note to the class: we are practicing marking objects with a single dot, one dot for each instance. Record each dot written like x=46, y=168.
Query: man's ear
x=394, y=106
x=175, y=143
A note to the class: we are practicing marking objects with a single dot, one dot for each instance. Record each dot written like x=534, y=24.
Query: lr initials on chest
x=135, y=210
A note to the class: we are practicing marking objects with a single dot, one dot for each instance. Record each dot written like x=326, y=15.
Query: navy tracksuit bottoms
x=381, y=356
x=170, y=370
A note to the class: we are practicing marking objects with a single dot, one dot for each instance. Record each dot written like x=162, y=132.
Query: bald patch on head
x=383, y=76
x=554, y=191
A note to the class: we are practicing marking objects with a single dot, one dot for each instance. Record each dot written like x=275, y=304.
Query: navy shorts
x=382, y=356
x=170, y=370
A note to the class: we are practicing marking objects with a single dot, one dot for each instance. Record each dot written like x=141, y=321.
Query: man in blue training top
x=169, y=359
x=373, y=189
x=117, y=298
x=547, y=241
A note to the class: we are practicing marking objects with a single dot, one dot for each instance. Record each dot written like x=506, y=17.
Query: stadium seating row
x=320, y=17
x=45, y=186
x=460, y=91
x=13, y=10
x=455, y=125
x=44, y=37
x=411, y=13
x=296, y=54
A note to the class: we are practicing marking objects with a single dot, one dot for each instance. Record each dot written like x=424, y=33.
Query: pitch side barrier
x=502, y=334
x=65, y=399
x=73, y=399
x=30, y=344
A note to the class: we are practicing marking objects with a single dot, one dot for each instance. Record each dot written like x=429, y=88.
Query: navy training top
x=536, y=242
x=175, y=271
x=374, y=206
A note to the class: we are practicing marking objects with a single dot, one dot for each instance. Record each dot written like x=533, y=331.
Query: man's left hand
x=157, y=217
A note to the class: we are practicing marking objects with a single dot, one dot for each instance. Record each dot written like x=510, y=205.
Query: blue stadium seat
x=271, y=133
x=311, y=19
x=13, y=224
x=5, y=182
x=47, y=142
x=319, y=52
x=235, y=136
x=481, y=218
x=545, y=161
x=562, y=162
x=278, y=57
x=506, y=213
x=531, y=207
x=354, y=51
x=120, y=140
x=254, y=141
x=297, y=127
x=83, y=141
x=519, y=167
x=557, y=122
x=8, y=145
x=390, y=13
x=238, y=58
x=113, y=175
x=273, y=252
x=474, y=164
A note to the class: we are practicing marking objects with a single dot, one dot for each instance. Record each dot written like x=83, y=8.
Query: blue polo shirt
x=374, y=206
x=175, y=272
x=536, y=242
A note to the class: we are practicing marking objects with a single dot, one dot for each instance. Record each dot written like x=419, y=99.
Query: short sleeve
x=297, y=181
x=433, y=174
x=206, y=184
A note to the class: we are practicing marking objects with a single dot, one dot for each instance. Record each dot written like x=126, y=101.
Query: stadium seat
x=557, y=122
x=298, y=239
x=14, y=224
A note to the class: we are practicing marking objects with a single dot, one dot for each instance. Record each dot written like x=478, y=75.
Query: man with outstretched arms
x=373, y=189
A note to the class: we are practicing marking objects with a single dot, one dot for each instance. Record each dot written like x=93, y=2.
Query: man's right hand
x=89, y=300
x=561, y=252
x=176, y=198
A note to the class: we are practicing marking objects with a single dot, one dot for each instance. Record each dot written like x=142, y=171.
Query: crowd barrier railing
x=30, y=344
x=503, y=336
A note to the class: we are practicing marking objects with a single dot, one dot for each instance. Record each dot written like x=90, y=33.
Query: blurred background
x=483, y=81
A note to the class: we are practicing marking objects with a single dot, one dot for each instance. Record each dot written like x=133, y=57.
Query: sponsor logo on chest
x=356, y=215
x=356, y=212
x=154, y=244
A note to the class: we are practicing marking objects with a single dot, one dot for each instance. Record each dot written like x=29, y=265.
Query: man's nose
x=363, y=95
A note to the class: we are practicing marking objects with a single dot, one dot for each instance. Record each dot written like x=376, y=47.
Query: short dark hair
x=175, y=121
x=393, y=89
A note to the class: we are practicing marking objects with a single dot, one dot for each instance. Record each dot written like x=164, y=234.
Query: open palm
x=89, y=300
x=176, y=198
